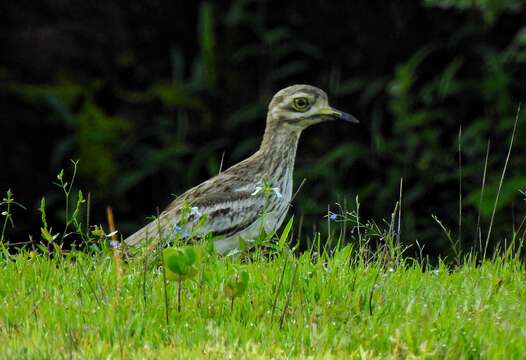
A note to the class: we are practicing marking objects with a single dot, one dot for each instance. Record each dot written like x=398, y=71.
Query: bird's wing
x=225, y=213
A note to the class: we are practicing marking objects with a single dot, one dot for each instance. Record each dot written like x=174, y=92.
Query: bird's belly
x=273, y=215
x=269, y=222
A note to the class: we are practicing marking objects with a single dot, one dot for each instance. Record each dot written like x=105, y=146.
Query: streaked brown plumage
x=234, y=200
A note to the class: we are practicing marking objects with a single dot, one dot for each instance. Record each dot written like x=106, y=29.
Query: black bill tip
x=347, y=117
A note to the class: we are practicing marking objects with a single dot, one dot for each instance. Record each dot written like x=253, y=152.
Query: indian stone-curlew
x=234, y=200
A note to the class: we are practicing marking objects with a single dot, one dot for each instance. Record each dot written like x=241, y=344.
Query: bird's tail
x=141, y=235
x=153, y=231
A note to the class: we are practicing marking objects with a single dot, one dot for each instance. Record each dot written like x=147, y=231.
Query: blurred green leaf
x=237, y=284
x=490, y=9
x=98, y=136
x=181, y=263
x=39, y=94
x=174, y=96
x=510, y=191
x=205, y=73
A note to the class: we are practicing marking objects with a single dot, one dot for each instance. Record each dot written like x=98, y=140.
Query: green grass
x=76, y=305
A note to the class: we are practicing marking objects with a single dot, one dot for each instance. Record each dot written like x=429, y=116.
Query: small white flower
x=257, y=191
x=4, y=213
x=274, y=189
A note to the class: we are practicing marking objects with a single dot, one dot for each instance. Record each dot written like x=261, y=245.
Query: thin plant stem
x=6, y=219
x=221, y=163
x=179, y=292
x=67, y=192
x=502, y=179
x=90, y=285
x=145, y=269
x=329, y=237
x=478, y=229
x=88, y=209
x=165, y=285
x=298, y=190
x=289, y=295
x=357, y=216
x=398, y=230
x=116, y=249
x=460, y=186
x=371, y=293
x=280, y=283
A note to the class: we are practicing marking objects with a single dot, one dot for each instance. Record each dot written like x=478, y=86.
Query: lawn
x=349, y=304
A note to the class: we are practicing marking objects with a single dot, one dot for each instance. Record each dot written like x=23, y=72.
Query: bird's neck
x=280, y=139
x=278, y=149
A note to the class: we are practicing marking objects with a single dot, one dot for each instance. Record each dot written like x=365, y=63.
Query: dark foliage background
x=149, y=95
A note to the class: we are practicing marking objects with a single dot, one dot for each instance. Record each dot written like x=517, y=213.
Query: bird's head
x=299, y=106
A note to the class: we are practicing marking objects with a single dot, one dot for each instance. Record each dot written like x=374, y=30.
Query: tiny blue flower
x=332, y=216
x=115, y=244
x=179, y=230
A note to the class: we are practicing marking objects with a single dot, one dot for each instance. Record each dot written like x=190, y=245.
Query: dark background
x=149, y=95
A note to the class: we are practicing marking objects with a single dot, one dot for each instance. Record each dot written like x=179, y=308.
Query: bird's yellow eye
x=300, y=104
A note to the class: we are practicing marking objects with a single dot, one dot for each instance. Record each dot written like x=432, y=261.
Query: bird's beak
x=337, y=114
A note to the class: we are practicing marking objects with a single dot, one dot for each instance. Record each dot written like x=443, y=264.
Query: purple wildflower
x=115, y=244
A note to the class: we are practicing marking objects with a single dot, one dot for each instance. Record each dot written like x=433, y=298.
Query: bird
x=253, y=195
